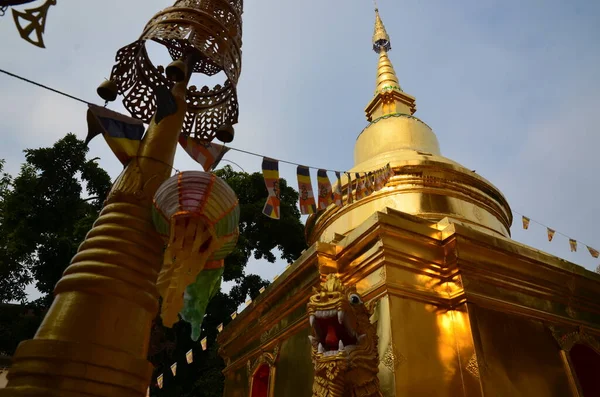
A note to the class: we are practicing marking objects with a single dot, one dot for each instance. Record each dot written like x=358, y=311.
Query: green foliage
x=44, y=218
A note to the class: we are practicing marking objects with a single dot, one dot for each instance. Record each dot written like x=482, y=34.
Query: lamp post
x=94, y=339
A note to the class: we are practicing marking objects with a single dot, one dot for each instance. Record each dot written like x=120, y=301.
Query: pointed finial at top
x=381, y=40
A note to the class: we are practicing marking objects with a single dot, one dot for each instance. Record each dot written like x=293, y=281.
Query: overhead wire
x=247, y=151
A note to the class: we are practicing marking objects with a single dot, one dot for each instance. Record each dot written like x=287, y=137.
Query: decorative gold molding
x=566, y=340
x=265, y=358
x=392, y=359
x=473, y=366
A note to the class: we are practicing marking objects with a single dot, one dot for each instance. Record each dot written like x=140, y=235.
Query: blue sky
x=510, y=88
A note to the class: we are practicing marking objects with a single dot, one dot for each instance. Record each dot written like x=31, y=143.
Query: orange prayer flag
x=573, y=244
x=550, y=233
x=594, y=253
x=174, y=369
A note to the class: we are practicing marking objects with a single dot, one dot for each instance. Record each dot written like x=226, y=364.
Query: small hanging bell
x=176, y=70
x=108, y=90
x=225, y=133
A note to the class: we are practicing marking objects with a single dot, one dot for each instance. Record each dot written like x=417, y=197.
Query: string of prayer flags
x=525, y=222
x=350, y=198
x=160, y=381
x=324, y=189
x=220, y=328
x=270, y=170
x=550, y=233
x=594, y=253
x=174, y=369
x=207, y=154
x=189, y=356
x=573, y=245
x=123, y=134
x=307, y=198
x=337, y=193
x=203, y=343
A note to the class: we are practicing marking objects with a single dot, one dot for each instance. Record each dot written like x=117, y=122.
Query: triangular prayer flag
x=189, y=356
x=220, y=328
x=337, y=192
x=360, y=187
x=261, y=290
x=378, y=180
x=203, y=343
x=324, y=189
x=525, y=222
x=307, y=198
x=122, y=133
x=234, y=315
x=550, y=233
x=594, y=253
x=369, y=188
x=573, y=244
x=160, y=381
x=205, y=153
x=174, y=369
x=350, y=199
x=270, y=170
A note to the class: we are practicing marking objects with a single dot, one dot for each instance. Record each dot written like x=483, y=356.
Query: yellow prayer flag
x=573, y=244
x=550, y=233
x=203, y=344
x=525, y=222
x=174, y=369
x=234, y=315
x=160, y=381
x=189, y=356
x=261, y=290
x=220, y=327
x=594, y=253
x=248, y=302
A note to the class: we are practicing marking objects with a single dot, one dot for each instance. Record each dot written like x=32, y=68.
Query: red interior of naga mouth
x=329, y=333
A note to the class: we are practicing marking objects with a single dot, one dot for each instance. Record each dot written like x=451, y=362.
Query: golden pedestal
x=94, y=339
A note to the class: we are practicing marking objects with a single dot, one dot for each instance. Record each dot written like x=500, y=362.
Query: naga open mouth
x=333, y=332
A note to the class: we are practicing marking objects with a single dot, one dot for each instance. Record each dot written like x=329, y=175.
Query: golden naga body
x=344, y=342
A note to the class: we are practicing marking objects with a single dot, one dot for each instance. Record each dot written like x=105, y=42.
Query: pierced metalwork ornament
x=212, y=30
x=36, y=23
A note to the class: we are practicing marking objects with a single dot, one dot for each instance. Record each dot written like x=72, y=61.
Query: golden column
x=94, y=338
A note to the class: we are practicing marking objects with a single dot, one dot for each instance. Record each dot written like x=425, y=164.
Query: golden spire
x=389, y=97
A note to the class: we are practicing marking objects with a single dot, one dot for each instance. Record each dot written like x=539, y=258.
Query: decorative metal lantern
x=197, y=214
x=211, y=30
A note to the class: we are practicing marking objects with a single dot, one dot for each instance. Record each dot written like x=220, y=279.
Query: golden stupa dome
x=425, y=183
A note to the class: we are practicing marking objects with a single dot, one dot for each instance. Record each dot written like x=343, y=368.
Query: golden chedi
x=426, y=183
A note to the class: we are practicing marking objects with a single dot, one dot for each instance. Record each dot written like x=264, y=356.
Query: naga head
x=344, y=342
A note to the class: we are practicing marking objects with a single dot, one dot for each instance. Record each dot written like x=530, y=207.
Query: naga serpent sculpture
x=344, y=342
